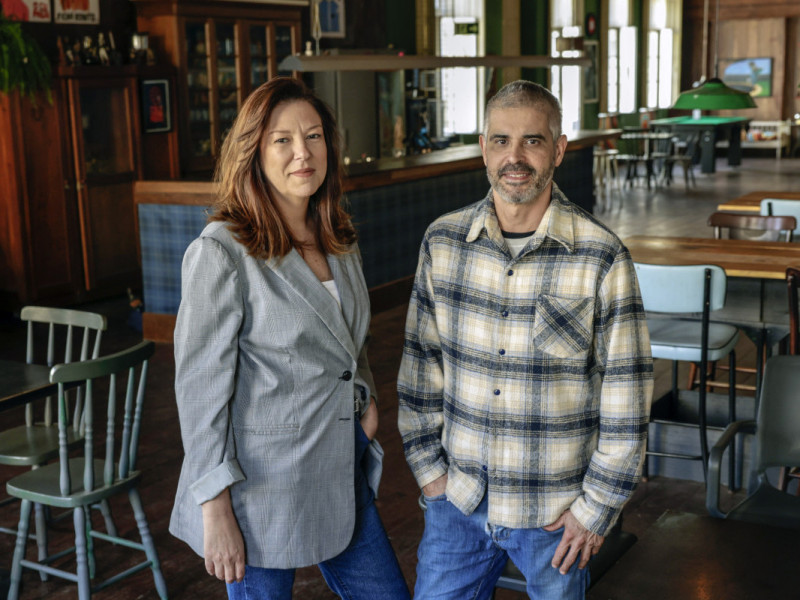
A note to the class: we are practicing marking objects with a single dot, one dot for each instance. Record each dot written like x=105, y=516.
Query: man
x=526, y=377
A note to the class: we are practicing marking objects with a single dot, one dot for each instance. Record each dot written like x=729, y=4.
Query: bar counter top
x=362, y=176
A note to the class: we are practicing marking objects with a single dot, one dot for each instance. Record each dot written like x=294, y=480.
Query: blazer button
x=346, y=376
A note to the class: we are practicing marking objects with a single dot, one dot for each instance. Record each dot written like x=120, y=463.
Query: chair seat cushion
x=680, y=339
x=35, y=445
x=769, y=506
x=42, y=485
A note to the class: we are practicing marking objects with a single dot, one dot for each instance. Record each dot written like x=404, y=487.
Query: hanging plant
x=23, y=64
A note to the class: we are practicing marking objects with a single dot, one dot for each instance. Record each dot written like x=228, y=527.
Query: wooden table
x=752, y=202
x=739, y=258
x=692, y=557
x=21, y=383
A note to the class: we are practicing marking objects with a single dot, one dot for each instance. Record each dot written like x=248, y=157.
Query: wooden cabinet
x=222, y=51
x=105, y=155
x=67, y=221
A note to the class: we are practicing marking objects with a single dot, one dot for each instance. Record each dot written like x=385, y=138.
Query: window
x=566, y=83
x=622, y=54
x=662, y=76
x=462, y=89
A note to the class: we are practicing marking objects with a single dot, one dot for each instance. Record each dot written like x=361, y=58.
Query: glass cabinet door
x=284, y=44
x=228, y=91
x=259, y=55
x=107, y=145
x=199, y=90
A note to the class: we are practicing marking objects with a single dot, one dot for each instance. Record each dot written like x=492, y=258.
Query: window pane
x=613, y=70
x=652, y=69
x=665, y=75
x=627, y=69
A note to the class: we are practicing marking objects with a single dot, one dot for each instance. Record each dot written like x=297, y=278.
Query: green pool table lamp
x=713, y=94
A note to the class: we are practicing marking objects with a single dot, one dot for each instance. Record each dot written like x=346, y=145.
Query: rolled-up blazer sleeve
x=206, y=349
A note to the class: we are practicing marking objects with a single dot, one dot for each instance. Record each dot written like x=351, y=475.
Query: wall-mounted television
x=751, y=75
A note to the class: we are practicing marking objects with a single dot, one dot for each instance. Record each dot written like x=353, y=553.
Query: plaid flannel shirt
x=528, y=378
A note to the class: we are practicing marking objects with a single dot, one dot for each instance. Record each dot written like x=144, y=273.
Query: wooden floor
x=670, y=211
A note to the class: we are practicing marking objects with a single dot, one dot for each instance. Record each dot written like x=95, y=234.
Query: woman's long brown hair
x=243, y=198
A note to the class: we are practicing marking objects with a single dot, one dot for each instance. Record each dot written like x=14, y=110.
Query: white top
x=516, y=244
x=330, y=285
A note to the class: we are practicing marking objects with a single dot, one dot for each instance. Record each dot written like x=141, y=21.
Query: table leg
x=708, y=151
x=735, y=145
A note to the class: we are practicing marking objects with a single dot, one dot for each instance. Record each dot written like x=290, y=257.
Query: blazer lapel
x=298, y=275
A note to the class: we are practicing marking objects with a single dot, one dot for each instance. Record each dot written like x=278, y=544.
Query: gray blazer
x=266, y=370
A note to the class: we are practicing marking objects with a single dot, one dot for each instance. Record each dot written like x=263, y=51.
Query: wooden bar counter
x=392, y=202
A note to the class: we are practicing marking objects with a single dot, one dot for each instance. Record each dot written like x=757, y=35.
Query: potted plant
x=23, y=64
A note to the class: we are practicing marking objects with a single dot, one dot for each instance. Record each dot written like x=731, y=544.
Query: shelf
x=389, y=62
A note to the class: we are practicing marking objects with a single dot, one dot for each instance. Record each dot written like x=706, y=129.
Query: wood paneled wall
x=747, y=29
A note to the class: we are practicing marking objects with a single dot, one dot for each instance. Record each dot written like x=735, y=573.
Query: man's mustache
x=517, y=167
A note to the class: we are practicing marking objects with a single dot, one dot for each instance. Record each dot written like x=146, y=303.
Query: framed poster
x=750, y=75
x=155, y=106
x=27, y=10
x=77, y=12
x=590, y=79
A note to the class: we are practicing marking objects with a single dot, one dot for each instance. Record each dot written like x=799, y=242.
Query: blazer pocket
x=563, y=327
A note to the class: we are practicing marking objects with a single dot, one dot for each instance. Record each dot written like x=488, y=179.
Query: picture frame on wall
x=156, y=113
x=591, y=83
x=331, y=18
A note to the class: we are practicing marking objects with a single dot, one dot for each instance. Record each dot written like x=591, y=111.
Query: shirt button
x=346, y=376
x=485, y=468
x=504, y=313
x=497, y=392
x=502, y=352
x=510, y=272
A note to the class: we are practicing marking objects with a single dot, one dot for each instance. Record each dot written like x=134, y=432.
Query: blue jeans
x=462, y=557
x=366, y=570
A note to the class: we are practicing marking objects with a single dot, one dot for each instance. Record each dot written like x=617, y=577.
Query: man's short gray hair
x=522, y=93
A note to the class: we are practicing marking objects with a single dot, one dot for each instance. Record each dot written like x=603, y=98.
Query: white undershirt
x=330, y=285
x=516, y=244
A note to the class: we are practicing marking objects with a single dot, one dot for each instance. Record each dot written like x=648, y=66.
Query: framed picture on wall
x=155, y=106
x=750, y=75
x=590, y=79
x=331, y=18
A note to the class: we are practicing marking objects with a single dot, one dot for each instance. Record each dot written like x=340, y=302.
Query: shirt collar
x=557, y=222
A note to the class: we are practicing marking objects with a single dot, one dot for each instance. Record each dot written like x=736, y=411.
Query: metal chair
x=792, y=283
x=770, y=206
x=79, y=482
x=740, y=226
x=683, y=152
x=673, y=296
x=36, y=442
x=776, y=445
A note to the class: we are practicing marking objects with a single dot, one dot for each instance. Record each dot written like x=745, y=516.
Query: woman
x=275, y=395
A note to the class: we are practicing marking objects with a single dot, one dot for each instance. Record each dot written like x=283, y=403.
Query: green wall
x=401, y=32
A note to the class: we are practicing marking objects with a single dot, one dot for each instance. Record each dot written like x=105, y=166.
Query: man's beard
x=520, y=194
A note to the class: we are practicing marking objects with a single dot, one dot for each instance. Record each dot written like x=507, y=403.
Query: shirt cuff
x=210, y=485
x=430, y=473
x=591, y=519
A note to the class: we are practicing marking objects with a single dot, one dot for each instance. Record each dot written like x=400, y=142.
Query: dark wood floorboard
x=669, y=211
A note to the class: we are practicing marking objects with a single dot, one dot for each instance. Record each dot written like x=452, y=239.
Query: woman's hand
x=369, y=420
x=223, y=545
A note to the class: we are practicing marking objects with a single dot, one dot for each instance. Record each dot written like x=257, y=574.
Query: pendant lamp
x=713, y=94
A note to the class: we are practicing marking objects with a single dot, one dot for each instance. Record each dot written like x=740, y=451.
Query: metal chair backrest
x=777, y=442
x=681, y=288
x=741, y=226
x=125, y=440
x=792, y=283
x=772, y=206
x=61, y=323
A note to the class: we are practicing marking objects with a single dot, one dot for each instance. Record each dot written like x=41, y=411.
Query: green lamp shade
x=714, y=95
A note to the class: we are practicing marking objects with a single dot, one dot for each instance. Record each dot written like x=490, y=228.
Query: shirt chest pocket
x=563, y=327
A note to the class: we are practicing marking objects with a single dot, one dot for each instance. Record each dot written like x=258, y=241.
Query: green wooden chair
x=79, y=482
x=35, y=442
